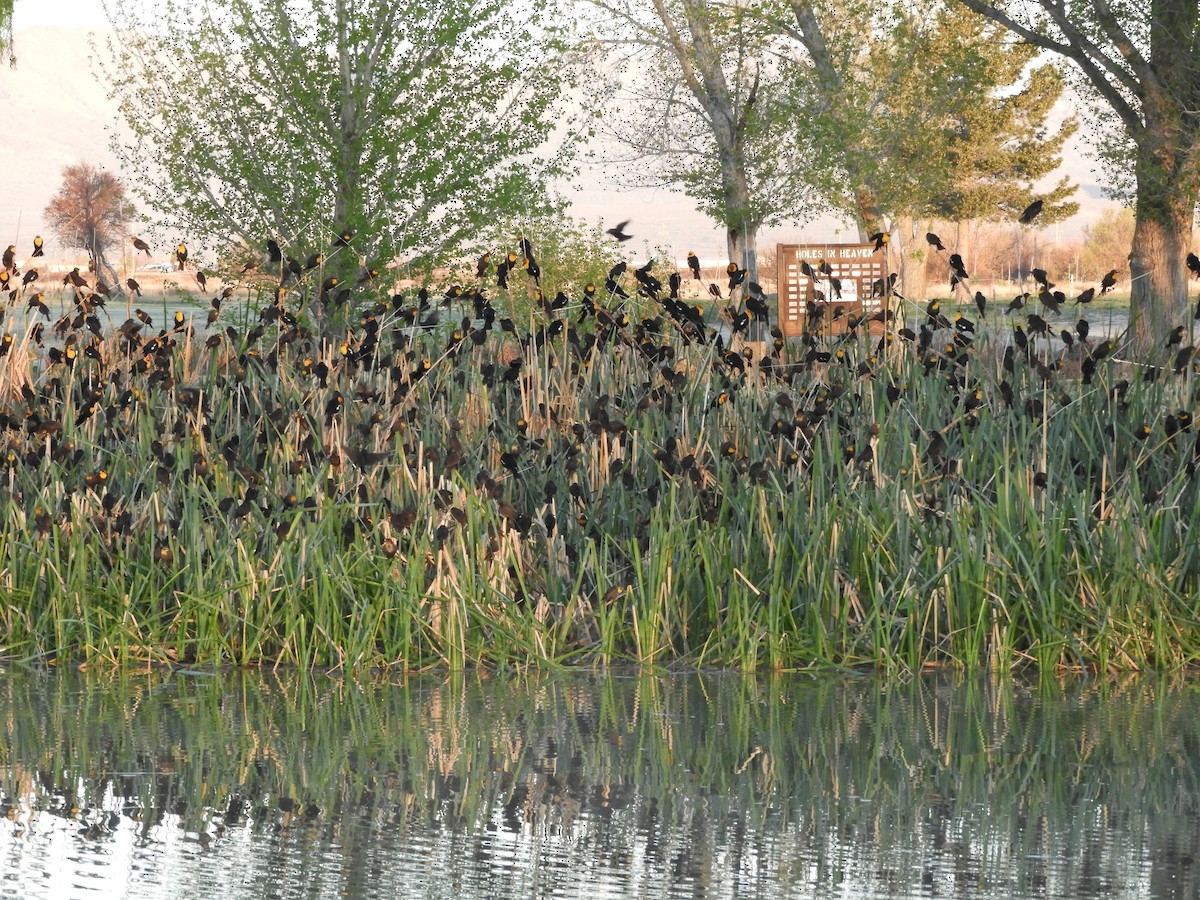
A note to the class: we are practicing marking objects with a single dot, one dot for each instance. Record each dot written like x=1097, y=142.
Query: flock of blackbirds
x=567, y=415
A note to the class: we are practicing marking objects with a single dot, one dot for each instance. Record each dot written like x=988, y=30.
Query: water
x=253, y=785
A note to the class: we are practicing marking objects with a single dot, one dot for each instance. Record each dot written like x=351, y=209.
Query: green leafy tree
x=1139, y=62
x=768, y=110
x=962, y=136
x=91, y=211
x=694, y=101
x=6, y=16
x=405, y=123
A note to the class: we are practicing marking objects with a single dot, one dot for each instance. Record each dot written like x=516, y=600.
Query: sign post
x=845, y=279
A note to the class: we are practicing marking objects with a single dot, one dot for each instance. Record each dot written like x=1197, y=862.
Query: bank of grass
x=597, y=504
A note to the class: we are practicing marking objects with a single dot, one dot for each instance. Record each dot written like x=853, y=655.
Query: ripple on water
x=591, y=788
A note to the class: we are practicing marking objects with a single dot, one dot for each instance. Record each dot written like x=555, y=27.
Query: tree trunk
x=743, y=249
x=911, y=255
x=1158, y=298
x=1162, y=237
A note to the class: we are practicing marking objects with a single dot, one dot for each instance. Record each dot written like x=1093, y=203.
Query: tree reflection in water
x=253, y=785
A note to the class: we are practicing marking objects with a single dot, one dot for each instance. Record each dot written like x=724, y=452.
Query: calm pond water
x=253, y=786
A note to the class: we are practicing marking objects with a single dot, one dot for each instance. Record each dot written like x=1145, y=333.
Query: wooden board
x=857, y=266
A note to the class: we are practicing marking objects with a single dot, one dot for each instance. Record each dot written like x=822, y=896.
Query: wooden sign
x=849, y=276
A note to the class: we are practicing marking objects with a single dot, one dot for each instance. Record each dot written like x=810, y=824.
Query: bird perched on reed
x=693, y=262
x=181, y=255
x=1108, y=282
x=140, y=245
x=38, y=246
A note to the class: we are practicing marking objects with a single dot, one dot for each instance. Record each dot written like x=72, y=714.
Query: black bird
x=1108, y=282
x=618, y=232
x=614, y=289
x=694, y=264
x=1032, y=211
x=1193, y=264
x=1182, y=358
x=880, y=238
x=274, y=254
x=981, y=303
x=1086, y=296
x=1049, y=300
x=934, y=241
x=37, y=246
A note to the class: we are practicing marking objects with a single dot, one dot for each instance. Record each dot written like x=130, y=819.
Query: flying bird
x=618, y=231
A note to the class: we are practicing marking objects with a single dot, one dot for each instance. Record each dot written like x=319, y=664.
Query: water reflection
x=254, y=785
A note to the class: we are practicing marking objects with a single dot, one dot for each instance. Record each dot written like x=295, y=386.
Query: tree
x=90, y=211
x=1139, y=62
x=6, y=15
x=767, y=110
x=694, y=100
x=406, y=124
x=960, y=137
